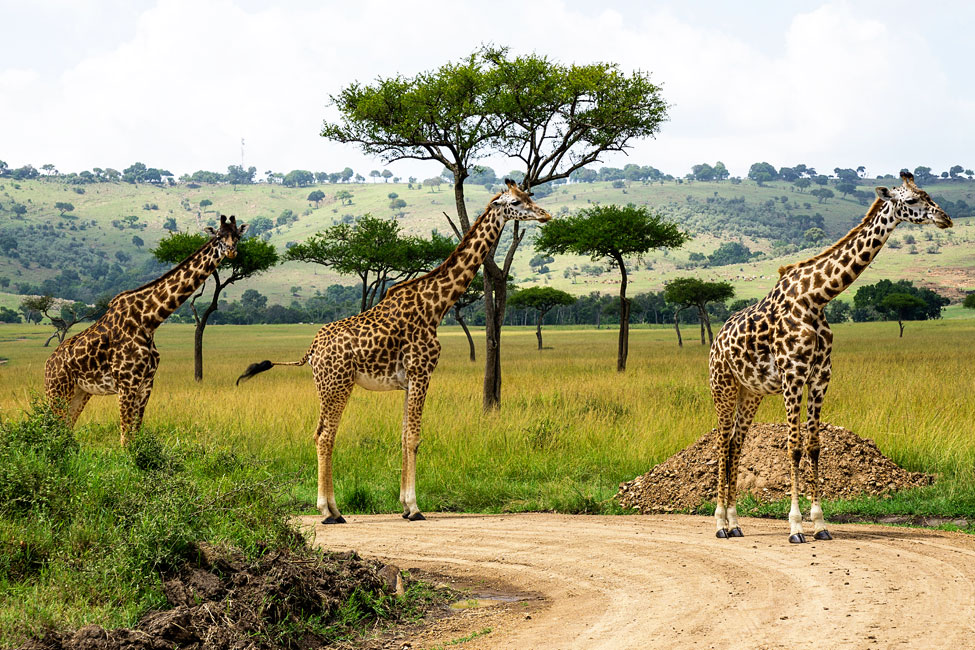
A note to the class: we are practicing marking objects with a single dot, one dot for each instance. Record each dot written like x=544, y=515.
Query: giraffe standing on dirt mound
x=782, y=345
x=117, y=354
x=394, y=346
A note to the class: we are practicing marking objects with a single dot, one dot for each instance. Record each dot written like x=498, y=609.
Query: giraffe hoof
x=735, y=532
x=417, y=516
x=822, y=535
x=798, y=538
x=334, y=520
x=722, y=534
x=406, y=515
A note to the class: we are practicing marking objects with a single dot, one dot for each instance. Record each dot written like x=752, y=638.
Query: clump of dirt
x=222, y=601
x=849, y=466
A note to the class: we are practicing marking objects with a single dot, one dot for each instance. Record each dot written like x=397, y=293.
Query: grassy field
x=570, y=430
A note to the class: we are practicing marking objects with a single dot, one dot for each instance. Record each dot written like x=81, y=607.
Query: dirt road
x=667, y=582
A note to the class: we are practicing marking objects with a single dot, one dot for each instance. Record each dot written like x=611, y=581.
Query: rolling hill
x=109, y=224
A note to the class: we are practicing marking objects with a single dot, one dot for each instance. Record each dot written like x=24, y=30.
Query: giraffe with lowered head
x=117, y=353
x=782, y=344
x=394, y=346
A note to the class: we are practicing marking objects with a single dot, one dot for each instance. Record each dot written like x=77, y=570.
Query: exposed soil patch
x=849, y=466
x=223, y=602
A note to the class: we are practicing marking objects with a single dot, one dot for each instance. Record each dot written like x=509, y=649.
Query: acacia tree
x=552, y=117
x=614, y=233
x=66, y=316
x=372, y=249
x=901, y=307
x=692, y=292
x=254, y=256
x=542, y=300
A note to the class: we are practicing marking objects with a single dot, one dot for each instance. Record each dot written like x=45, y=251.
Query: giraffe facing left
x=117, y=354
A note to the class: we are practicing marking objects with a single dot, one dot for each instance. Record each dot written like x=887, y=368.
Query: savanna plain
x=569, y=431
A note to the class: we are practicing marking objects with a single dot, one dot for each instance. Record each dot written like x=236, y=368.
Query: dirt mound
x=224, y=602
x=849, y=466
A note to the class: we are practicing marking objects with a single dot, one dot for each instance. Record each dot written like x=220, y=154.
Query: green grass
x=570, y=430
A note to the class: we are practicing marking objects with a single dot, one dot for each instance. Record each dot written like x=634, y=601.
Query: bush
x=88, y=531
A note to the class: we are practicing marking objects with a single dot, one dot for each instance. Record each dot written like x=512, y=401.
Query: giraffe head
x=912, y=204
x=227, y=236
x=515, y=203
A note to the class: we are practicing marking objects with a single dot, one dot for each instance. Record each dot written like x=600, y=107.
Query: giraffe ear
x=243, y=227
x=210, y=231
x=883, y=194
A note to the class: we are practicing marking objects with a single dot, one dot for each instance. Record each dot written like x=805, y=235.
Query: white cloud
x=840, y=86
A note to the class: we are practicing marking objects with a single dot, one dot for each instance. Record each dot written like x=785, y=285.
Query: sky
x=178, y=84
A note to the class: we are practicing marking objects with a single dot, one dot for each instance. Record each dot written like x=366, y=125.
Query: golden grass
x=570, y=427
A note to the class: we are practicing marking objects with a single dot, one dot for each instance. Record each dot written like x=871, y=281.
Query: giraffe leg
x=332, y=405
x=814, y=405
x=416, y=394
x=748, y=403
x=77, y=404
x=131, y=405
x=724, y=393
x=792, y=395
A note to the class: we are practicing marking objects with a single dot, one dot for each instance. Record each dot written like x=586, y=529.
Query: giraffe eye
x=516, y=202
x=910, y=201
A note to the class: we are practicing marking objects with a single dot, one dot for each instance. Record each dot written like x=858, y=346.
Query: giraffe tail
x=261, y=366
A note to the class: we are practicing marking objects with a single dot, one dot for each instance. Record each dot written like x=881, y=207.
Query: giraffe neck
x=164, y=296
x=830, y=273
x=443, y=286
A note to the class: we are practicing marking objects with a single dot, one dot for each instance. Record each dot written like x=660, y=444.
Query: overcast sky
x=177, y=84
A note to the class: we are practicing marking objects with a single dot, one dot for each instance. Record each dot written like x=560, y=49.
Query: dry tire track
x=666, y=581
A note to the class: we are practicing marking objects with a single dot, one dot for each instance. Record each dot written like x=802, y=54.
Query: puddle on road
x=478, y=601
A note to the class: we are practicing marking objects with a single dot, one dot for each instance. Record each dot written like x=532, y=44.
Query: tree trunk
x=707, y=322
x=624, y=340
x=495, y=299
x=901, y=325
x=467, y=332
x=538, y=330
x=680, y=342
x=700, y=317
x=201, y=325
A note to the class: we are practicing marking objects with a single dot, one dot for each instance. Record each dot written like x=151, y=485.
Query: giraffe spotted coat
x=394, y=346
x=117, y=354
x=783, y=344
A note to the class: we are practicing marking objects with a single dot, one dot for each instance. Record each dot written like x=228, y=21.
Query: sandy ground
x=666, y=581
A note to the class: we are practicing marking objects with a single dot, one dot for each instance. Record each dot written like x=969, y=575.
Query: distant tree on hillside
x=316, y=197
x=344, y=197
x=969, y=302
x=63, y=206
x=762, y=173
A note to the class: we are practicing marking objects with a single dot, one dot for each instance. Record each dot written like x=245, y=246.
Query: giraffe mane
x=871, y=213
x=450, y=258
x=165, y=276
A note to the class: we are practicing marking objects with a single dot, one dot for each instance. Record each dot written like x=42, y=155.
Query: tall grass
x=570, y=428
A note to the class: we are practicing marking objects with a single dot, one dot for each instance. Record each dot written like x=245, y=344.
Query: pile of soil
x=849, y=467
x=222, y=601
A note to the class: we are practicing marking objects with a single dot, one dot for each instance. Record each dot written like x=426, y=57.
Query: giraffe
x=117, y=353
x=783, y=343
x=394, y=346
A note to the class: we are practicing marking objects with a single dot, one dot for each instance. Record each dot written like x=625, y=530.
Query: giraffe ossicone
x=394, y=346
x=782, y=344
x=117, y=354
